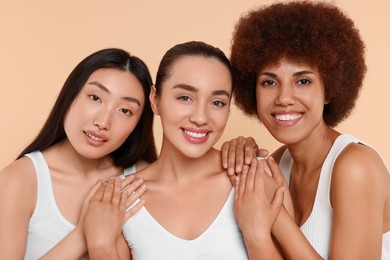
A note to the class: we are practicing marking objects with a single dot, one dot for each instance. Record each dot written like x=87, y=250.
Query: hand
x=255, y=210
x=239, y=152
x=107, y=211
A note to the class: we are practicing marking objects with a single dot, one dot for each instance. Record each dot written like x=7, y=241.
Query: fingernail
x=231, y=171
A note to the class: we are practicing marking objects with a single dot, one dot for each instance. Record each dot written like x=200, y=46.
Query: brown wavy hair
x=316, y=33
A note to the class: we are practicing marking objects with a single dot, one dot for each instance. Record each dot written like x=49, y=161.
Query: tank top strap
x=44, y=187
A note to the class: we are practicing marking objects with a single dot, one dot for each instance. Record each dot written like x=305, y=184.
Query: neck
x=310, y=154
x=179, y=167
x=69, y=160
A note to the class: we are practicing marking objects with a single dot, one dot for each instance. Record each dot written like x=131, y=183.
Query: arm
x=106, y=215
x=358, y=187
x=17, y=202
x=255, y=212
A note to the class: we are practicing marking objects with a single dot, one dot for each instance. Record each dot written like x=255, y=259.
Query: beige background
x=41, y=42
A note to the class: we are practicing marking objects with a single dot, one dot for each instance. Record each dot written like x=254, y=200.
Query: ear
x=154, y=100
x=326, y=101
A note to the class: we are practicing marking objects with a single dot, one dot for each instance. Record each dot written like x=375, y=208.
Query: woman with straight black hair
x=99, y=127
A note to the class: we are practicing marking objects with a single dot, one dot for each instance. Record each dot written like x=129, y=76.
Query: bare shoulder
x=18, y=182
x=360, y=161
x=21, y=170
x=360, y=169
x=278, y=153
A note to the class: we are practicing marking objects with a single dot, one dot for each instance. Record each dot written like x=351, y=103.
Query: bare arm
x=17, y=201
x=358, y=191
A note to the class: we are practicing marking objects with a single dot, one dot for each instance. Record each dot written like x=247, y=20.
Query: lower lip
x=287, y=122
x=93, y=142
x=195, y=140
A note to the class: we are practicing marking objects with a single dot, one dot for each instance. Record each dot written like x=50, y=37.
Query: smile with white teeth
x=287, y=117
x=94, y=137
x=195, y=135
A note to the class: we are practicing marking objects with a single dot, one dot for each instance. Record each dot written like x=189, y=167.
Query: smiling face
x=290, y=100
x=194, y=104
x=104, y=113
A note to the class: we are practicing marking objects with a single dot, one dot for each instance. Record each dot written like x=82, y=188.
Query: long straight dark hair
x=140, y=144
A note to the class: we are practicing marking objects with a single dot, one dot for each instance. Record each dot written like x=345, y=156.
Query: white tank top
x=47, y=225
x=318, y=226
x=221, y=241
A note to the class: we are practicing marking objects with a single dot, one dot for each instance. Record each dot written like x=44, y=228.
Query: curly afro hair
x=315, y=33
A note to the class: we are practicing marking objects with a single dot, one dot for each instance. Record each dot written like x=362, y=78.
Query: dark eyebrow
x=299, y=73
x=102, y=87
x=304, y=72
x=194, y=89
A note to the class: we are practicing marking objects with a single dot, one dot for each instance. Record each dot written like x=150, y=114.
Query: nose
x=285, y=96
x=103, y=119
x=199, y=114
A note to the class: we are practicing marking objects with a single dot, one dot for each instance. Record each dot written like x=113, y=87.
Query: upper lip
x=290, y=112
x=196, y=130
x=96, y=134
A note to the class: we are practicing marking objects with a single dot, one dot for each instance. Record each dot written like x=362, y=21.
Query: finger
x=236, y=188
x=132, y=197
x=127, y=180
x=123, y=201
x=99, y=191
x=117, y=194
x=109, y=189
x=239, y=154
x=224, y=154
x=133, y=186
x=131, y=212
x=232, y=179
x=250, y=179
x=259, y=178
x=232, y=156
x=277, y=201
x=275, y=170
x=242, y=181
x=262, y=153
x=250, y=149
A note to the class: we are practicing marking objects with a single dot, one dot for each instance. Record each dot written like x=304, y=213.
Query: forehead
x=200, y=72
x=115, y=80
x=291, y=62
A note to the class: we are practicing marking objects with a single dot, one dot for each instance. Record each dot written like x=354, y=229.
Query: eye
x=219, y=103
x=184, y=98
x=126, y=111
x=94, y=97
x=268, y=82
x=304, y=81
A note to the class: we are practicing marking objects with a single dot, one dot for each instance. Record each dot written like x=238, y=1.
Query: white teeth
x=287, y=117
x=95, y=138
x=195, y=135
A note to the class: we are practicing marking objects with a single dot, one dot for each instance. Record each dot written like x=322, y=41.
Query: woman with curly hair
x=299, y=67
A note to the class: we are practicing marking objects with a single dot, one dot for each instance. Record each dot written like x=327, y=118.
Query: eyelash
x=269, y=82
x=217, y=103
x=94, y=98
x=125, y=111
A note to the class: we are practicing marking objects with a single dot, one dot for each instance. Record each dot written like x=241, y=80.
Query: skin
x=188, y=171
x=105, y=108
x=290, y=99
